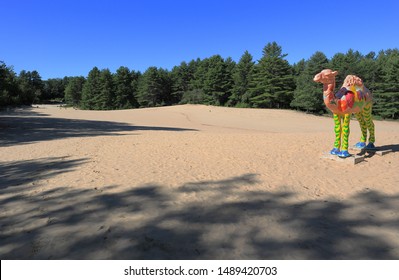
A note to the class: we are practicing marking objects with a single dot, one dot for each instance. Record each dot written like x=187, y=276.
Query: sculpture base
x=353, y=159
x=376, y=151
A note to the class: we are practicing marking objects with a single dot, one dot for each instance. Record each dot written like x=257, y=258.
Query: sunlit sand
x=191, y=182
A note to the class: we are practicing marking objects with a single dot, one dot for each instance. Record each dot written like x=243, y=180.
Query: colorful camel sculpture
x=352, y=98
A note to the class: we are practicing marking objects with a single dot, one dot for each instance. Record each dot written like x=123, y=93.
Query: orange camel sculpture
x=352, y=98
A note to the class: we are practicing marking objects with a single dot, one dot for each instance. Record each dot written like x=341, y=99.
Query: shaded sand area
x=191, y=182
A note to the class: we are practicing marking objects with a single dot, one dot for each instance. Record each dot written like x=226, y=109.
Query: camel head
x=326, y=76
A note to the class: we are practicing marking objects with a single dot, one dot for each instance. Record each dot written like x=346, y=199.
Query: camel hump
x=352, y=80
x=355, y=84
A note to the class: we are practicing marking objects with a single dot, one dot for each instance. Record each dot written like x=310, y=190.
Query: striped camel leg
x=363, y=126
x=345, y=136
x=337, y=129
x=370, y=124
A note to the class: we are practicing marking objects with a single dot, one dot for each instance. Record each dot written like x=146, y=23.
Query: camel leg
x=345, y=136
x=363, y=126
x=337, y=129
x=370, y=124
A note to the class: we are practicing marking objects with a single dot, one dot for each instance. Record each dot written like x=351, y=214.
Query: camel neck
x=328, y=88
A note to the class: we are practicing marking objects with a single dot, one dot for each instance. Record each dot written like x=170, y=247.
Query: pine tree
x=308, y=95
x=9, y=90
x=136, y=76
x=216, y=80
x=182, y=77
x=242, y=77
x=346, y=64
x=37, y=86
x=387, y=95
x=91, y=90
x=193, y=66
x=200, y=75
x=196, y=75
x=54, y=89
x=124, y=91
x=273, y=83
x=106, y=98
x=298, y=68
x=165, y=80
x=73, y=91
x=369, y=71
x=30, y=87
x=230, y=70
x=155, y=88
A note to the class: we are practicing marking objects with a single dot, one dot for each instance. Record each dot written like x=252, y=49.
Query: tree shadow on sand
x=22, y=111
x=25, y=128
x=370, y=153
x=26, y=172
x=226, y=219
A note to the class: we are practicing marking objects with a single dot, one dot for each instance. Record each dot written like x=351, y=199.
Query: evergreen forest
x=270, y=82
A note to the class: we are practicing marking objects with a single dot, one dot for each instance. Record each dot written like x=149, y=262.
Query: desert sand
x=191, y=182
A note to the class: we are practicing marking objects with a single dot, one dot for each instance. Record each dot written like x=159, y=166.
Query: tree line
x=270, y=82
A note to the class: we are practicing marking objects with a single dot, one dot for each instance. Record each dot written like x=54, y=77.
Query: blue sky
x=70, y=37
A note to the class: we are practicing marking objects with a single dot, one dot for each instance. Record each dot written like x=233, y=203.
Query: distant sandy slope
x=191, y=181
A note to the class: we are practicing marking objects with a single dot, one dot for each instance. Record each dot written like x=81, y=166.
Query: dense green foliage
x=73, y=91
x=155, y=88
x=270, y=82
x=273, y=83
x=306, y=95
x=242, y=77
x=9, y=90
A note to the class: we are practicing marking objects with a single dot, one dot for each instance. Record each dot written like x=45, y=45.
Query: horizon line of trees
x=270, y=82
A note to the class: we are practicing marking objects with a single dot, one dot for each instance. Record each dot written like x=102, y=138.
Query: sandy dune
x=191, y=182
